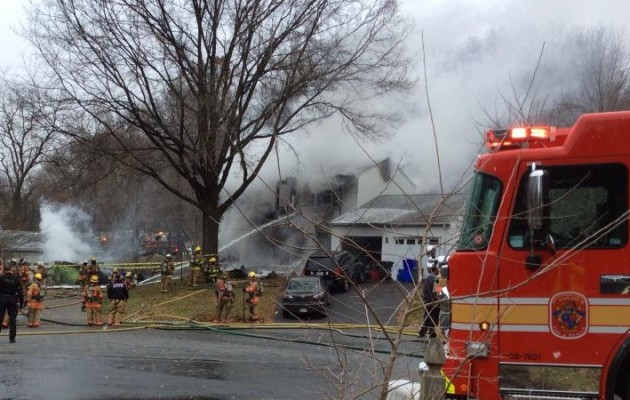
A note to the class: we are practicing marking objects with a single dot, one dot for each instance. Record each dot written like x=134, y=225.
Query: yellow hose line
x=180, y=298
x=128, y=317
x=178, y=317
x=87, y=330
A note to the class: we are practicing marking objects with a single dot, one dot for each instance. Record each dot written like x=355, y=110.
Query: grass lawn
x=147, y=303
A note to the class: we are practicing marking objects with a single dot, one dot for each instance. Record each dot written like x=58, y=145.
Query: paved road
x=66, y=360
x=383, y=299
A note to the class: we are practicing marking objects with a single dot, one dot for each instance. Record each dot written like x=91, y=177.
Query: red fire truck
x=540, y=281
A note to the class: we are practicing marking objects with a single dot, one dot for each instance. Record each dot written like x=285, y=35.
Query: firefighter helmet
x=40, y=263
x=197, y=249
x=38, y=276
x=252, y=274
x=168, y=255
x=94, y=279
x=212, y=260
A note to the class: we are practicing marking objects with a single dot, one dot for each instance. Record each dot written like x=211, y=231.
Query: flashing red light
x=514, y=137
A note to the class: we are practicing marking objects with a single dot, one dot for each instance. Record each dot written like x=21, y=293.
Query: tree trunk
x=210, y=225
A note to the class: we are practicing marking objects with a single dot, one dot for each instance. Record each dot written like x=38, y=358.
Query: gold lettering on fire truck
x=568, y=315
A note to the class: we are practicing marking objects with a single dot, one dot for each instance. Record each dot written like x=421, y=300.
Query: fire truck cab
x=540, y=281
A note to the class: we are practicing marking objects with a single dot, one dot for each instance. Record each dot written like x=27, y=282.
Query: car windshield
x=321, y=262
x=303, y=285
x=480, y=212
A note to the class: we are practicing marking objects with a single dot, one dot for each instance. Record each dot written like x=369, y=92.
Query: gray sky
x=474, y=50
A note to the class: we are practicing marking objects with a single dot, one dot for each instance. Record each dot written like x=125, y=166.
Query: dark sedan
x=305, y=294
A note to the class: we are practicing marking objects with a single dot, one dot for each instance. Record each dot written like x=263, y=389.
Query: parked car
x=335, y=268
x=305, y=294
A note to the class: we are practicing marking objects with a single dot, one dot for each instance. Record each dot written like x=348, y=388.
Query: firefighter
x=213, y=270
x=93, y=298
x=111, y=276
x=35, y=301
x=431, y=307
x=41, y=269
x=11, y=298
x=95, y=268
x=118, y=294
x=225, y=298
x=166, y=271
x=24, y=273
x=196, y=264
x=254, y=291
x=129, y=280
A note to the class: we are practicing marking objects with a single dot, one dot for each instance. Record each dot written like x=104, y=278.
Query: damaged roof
x=400, y=210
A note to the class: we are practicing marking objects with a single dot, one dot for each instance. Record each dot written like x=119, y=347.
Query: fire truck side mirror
x=444, y=271
x=537, y=195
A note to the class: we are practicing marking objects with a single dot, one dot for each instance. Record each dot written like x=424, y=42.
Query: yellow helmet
x=38, y=276
x=212, y=260
x=94, y=279
x=251, y=274
x=197, y=249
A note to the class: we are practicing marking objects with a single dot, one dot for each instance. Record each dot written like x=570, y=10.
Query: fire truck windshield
x=481, y=210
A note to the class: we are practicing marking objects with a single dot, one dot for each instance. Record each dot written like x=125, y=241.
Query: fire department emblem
x=568, y=315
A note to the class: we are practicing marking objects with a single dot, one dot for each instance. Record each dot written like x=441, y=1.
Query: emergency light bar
x=515, y=137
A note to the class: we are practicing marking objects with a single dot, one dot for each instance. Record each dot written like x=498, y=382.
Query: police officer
x=118, y=295
x=11, y=297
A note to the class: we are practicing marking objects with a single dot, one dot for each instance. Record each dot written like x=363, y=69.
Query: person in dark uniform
x=118, y=294
x=431, y=305
x=11, y=297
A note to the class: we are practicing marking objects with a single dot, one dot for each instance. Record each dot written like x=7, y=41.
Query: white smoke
x=66, y=232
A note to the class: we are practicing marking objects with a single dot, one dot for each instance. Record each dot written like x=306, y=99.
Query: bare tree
x=603, y=73
x=211, y=85
x=27, y=118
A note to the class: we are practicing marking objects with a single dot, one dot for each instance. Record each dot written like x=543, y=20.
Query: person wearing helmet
x=213, y=269
x=196, y=263
x=83, y=282
x=25, y=274
x=224, y=292
x=93, y=298
x=129, y=280
x=166, y=273
x=11, y=297
x=41, y=269
x=254, y=291
x=118, y=294
x=35, y=300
